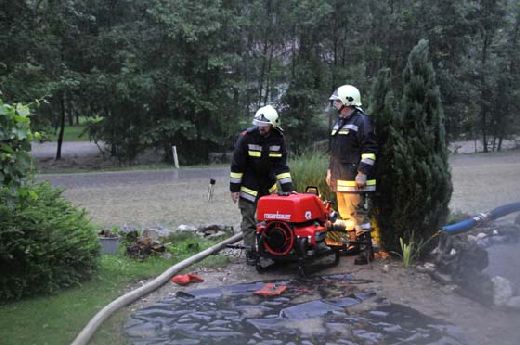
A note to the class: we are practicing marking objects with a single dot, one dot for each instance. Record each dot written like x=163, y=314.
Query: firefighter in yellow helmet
x=259, y=163
x=352, y=163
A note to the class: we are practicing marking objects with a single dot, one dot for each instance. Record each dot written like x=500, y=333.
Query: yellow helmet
x=266, y=115
x=348, y=95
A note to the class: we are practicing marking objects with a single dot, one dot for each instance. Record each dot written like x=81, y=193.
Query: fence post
x=175, y=158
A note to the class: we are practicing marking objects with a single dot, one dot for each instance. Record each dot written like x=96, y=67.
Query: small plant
x=411, y=251
x=408, y=252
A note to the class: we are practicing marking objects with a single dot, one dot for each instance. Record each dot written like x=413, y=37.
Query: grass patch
x=57, y=319
x=71, y=133
x=309, y=169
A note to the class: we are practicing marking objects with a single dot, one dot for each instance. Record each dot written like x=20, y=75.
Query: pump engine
x=292, y=227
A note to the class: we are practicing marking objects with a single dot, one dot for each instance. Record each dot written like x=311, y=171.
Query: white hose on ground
x=86, y=333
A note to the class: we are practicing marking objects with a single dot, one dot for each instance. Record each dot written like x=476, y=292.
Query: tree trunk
x=62, y=127
x=483, y=92
x=268, y=74
x=70, y=114
x=499, y=146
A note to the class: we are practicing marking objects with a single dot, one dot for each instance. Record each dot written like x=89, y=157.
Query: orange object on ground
x=382, y=255
x=185, y=279
x=271, y=289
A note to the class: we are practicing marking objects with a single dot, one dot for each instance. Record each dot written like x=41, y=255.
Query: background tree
x=173, y=72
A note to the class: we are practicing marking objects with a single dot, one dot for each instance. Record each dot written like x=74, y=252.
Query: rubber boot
x=352, y=249
x=251, y=258
x=366, y=250
x=322, y=248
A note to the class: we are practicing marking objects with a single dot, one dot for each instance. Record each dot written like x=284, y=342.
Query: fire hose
x=469, y=223
x=86, y=333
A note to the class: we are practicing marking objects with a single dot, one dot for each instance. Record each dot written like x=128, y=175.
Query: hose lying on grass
x=469, y=223
x=86, y=333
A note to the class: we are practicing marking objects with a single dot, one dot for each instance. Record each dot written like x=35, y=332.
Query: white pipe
x=86, y=333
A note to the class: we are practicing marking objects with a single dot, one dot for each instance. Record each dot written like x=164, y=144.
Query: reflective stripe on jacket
x=353, y=150
x=258, y=164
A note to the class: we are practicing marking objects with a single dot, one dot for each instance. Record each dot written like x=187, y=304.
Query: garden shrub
x=45, y=243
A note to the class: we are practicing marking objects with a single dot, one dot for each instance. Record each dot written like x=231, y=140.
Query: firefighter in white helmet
x=259, y=163
x=352, y=164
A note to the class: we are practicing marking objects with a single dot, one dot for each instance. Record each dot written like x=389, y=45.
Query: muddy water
x=324, y=310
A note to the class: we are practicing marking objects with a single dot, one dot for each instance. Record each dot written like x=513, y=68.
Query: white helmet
x=266, y=115
x=348, y=95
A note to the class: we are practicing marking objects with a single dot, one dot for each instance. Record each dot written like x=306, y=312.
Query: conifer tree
x=414, y=181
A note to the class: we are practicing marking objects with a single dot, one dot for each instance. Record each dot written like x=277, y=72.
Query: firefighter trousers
x=248, y=225
x=353, y=209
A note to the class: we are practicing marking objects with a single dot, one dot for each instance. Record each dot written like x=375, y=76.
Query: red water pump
x=293, y=227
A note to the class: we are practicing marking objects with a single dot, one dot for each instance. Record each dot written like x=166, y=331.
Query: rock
x=426, y=267
x=151, y=234
x=461, y=261
x=166, y=255
x=189, y=227
x=215, y=230
x=481, y=235
x=514, y=303
x=502, y=291
x=441, y=277
x=485, y=242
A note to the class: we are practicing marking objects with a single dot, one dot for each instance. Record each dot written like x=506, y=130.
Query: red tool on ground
x=185, y=279
x=271, y=289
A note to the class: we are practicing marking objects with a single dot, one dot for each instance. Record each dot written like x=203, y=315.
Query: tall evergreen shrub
x=414, y=186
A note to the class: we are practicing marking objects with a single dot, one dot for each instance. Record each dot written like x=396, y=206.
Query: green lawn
x=57, y=319
x=70, y=134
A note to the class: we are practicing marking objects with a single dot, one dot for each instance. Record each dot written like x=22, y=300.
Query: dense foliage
x=45, y=244
x=177, y=72
x=415, y=185
x=15, y=142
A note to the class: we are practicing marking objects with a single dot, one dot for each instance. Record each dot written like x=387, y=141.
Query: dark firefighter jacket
x=353, y=149
x=258, y=164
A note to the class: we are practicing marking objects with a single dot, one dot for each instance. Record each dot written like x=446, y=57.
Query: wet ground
x=323, y=310
x=170, y=198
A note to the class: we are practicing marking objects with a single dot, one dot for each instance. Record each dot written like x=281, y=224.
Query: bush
x=45, y=243
x=414, y=182
x=309, y=169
